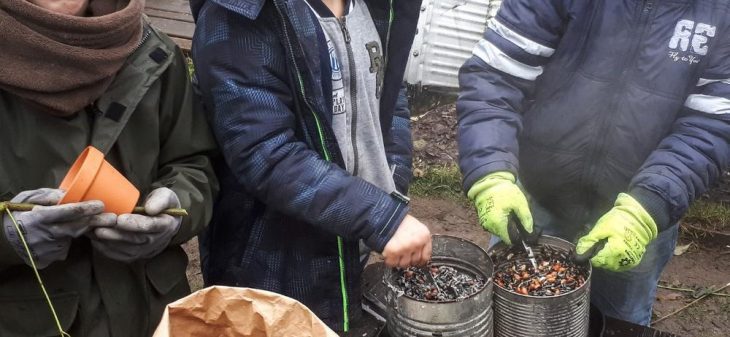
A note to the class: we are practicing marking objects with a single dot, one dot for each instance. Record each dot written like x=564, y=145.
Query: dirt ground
x=434, y=138
x=705, y=264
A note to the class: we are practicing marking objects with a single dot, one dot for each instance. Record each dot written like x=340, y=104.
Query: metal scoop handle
x=590, y=253
x=518, y=233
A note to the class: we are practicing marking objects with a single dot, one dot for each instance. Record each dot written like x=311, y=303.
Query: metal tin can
x=565, y=315
x=470, y=317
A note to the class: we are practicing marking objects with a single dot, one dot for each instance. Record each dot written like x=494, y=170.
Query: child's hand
x=409, y=246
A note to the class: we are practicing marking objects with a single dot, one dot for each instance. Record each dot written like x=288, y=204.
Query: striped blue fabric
x=711, y=96
x=514, y=51
x=509, y=51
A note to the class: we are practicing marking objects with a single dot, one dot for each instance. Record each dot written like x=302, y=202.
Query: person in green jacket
x=77, y=73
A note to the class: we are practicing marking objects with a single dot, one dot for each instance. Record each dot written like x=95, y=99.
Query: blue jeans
x=629, y=295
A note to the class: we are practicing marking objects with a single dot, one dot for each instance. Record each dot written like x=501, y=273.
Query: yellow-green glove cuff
x=628, y=229
x=488, y=182
x=496, y=197
x=631, y=205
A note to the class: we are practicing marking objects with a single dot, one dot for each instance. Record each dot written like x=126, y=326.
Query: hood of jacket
x=248, y=8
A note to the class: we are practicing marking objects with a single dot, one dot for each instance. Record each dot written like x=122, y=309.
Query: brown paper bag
x=239, y=312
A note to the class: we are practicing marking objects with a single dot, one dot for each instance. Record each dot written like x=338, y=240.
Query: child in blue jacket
x=305, y=99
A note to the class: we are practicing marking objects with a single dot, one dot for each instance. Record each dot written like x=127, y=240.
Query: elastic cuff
x=475, y=175
x=380, y=238
x=9, y=255
x=655, y=205
x=402, y=177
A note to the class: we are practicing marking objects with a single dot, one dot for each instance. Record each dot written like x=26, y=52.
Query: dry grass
x=709, y=214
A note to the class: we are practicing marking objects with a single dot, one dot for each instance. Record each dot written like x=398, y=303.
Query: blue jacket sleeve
x=399, y=145
x=498, y=78
x=242, y=73
x=692, y=157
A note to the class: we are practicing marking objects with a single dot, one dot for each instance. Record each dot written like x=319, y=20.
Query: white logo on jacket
x=690, y=41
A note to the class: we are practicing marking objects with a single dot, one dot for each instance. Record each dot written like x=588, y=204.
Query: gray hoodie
x=357, y=72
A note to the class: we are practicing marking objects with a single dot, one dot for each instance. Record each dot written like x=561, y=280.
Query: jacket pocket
x=167, y=270
x=31, y=317
x=166, y=274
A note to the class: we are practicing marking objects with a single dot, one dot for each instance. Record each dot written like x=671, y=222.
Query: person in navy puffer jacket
x=600, y=122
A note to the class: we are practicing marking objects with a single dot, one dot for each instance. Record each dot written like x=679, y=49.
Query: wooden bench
x=174, y=19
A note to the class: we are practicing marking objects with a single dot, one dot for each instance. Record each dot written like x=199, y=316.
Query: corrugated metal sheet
x=447, y=33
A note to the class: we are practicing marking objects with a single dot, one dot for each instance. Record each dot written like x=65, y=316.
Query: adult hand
x=138, y=236
x=627, y=229
x=409, y=246
x=496, y=197
x=48, y=230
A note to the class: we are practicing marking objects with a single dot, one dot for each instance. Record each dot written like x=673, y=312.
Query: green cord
x=345, y=299
x=341, y=259
x=37, y=275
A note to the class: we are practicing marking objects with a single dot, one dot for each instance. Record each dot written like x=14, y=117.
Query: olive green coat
x=146, y=125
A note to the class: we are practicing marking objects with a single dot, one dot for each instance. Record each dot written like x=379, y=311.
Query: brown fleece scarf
x=61, y=62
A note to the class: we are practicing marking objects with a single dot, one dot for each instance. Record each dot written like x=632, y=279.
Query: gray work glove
x=138, y=236
x=49, y=229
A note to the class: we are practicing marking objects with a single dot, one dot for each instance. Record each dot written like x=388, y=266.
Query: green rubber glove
x=496, y=196
x=628, y=229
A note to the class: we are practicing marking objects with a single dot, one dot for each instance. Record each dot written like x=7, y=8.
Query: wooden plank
x=174, y=28
x=156, y=13
x=184, y=44
x=176, y=6
x=174, y=19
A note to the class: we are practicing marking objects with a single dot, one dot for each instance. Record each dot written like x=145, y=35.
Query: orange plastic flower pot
x=93, y=178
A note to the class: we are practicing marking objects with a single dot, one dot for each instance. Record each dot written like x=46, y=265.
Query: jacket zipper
x=391, y=17
x=145, y=36
x=353, y=93
x=600, y=147
x=325, y=153
x=300, y=83
x=355, y=167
